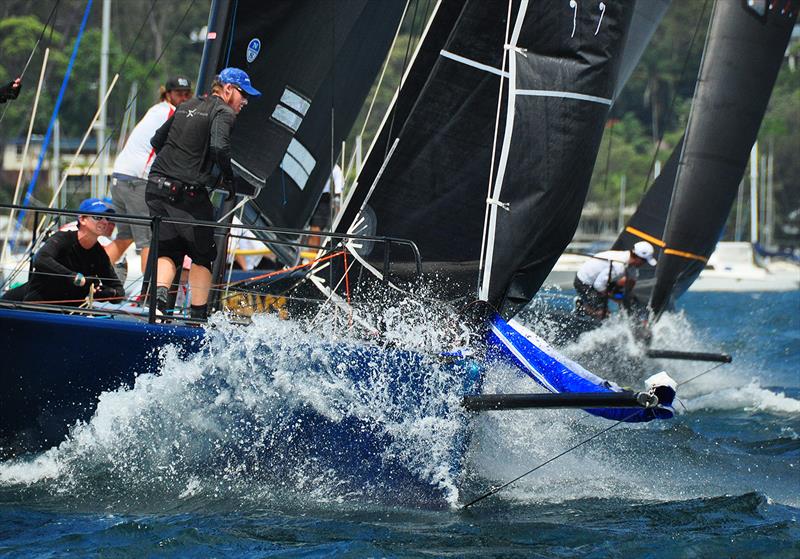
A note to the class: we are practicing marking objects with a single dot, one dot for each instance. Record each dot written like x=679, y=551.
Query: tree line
x=651, y=111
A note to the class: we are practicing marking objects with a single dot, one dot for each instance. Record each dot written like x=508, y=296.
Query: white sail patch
x=473, y=63
x=290, y=110
x=295, y=101
x=298, y=163
x=564, y=95
x=289, y=119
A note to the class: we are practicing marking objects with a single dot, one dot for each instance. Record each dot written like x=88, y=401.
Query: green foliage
x=140, y=32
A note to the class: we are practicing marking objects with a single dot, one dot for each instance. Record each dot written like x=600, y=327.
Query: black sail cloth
x=563, y=86
x=685, y=210
x=314, y=62
x=433, y=187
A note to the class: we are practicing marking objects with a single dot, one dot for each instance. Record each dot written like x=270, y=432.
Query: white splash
x=236, y=415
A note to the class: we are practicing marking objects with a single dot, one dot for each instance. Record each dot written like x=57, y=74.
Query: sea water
x=170, y=468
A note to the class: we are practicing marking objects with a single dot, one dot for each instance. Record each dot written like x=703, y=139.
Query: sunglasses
x=96, y=218
x=240, y=90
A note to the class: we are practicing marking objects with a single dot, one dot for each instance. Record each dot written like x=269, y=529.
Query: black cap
x=178, y=83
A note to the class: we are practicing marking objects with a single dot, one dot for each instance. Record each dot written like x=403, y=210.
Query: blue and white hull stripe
x=558, y=373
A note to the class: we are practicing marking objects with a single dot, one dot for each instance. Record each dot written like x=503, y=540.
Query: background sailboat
x=685, y=210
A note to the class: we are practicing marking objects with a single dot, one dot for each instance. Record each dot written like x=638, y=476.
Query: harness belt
x=174, y=185
x=177, y=188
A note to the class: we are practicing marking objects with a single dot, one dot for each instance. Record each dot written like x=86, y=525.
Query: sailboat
x=483, y=161
x=470, y=192
x=45, y=397
x=684, y=212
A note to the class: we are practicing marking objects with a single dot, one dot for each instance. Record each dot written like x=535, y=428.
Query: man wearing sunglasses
x=71, y=264
x=193, y=155
x=132, y=166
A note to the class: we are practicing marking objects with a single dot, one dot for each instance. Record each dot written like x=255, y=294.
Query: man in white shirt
x=244, y=239
x=132, y=166
x=607, y=271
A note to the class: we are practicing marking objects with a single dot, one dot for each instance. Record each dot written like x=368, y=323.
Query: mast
x=102, y=190
x=754, y=194
x=743, y=55
x=214, y=44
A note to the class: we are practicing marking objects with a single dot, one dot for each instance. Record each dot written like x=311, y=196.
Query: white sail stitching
x=483, y=294
x=473, y=63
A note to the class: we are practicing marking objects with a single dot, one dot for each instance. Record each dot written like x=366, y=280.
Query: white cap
x=644, y=250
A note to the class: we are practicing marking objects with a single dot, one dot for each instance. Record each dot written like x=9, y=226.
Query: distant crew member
x=73, y=263
x=129, y=181
x=607, y=273
x=11, y=90
x=189, y=146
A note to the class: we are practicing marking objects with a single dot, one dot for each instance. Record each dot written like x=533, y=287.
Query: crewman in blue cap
x=72, y=264
x=193, y=157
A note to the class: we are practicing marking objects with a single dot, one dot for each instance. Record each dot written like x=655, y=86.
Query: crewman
x=72, y=264
x=132, y=167
x=190, y=147
x=607, y=273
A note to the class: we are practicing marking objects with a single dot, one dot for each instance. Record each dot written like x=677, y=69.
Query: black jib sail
x=743, y=53
x=513, y=107
x=314, y=62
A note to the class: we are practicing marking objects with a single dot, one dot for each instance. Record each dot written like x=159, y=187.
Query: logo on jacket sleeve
x=253, y=48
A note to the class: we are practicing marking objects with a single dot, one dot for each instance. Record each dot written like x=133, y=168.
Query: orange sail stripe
x=645, y=236
x=685, y=254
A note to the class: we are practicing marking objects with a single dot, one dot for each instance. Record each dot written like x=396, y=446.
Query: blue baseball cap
x=240, y=79
x=95, y=205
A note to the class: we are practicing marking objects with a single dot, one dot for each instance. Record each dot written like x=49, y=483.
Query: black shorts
x=589, y=295
x=178, y=239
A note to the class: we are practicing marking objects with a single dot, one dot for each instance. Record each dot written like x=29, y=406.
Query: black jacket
x=57, y=263
x=9, y=92
x=193, y=141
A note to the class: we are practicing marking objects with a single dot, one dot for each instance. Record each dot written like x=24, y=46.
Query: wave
x=270, y=411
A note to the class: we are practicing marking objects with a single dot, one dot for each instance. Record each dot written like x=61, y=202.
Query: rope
x=33, y=51
x=674, y=96
x=557, y=456
x=701, y=374
x=499, y=488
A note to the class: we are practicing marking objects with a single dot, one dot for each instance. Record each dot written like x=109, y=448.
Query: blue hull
x=55, y=366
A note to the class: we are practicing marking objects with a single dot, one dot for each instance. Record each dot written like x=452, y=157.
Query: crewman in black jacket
x=71, y=263
x=193, y=150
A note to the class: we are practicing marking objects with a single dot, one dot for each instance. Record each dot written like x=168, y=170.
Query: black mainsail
x=540, y=83
x=314, y=62
x=685, y=210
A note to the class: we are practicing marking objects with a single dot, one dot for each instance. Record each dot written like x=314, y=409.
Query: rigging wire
x=549, y=460
x=62, y=90
x=383, y=71
x=33, y=50
x=403, y=70
x=147, y=76
x=499, y=488
x=671, y=107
